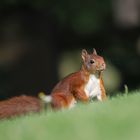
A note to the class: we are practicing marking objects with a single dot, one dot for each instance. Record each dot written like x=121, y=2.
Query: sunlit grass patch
x=115, y=119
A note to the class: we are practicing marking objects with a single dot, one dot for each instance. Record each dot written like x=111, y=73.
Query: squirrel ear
x=94, y=51
x=84, y=54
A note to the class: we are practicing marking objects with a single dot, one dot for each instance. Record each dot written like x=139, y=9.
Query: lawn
x=115, y=119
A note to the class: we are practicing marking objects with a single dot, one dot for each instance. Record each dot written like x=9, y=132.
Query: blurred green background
x=41, y=42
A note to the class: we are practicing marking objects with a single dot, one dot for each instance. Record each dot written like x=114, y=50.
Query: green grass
x=115, y=119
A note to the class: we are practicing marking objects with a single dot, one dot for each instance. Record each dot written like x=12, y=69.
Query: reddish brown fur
x=69, y=89
x=19, y=105
x=72, y=87
x=103, y=95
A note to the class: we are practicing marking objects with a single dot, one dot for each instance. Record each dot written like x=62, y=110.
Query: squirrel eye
x=92, y=61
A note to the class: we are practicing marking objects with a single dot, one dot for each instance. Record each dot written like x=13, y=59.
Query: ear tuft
x=94, y=51
x=84, y=54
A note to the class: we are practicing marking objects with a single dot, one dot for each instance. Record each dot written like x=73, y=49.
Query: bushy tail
x=20, y=105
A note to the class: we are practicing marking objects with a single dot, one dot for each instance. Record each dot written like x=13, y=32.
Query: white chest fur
x=92, y=88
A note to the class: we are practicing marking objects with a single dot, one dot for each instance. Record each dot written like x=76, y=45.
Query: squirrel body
x=79, y=86
x=82, y=85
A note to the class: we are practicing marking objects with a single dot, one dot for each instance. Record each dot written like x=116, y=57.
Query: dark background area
x=40, y=42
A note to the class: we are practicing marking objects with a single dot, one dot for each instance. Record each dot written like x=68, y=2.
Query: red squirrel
x=79, y=86
x=82, y=85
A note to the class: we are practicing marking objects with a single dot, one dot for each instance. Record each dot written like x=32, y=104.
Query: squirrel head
x=93, y=63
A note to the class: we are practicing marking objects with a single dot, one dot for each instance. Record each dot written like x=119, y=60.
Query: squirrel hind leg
x=61, y=102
